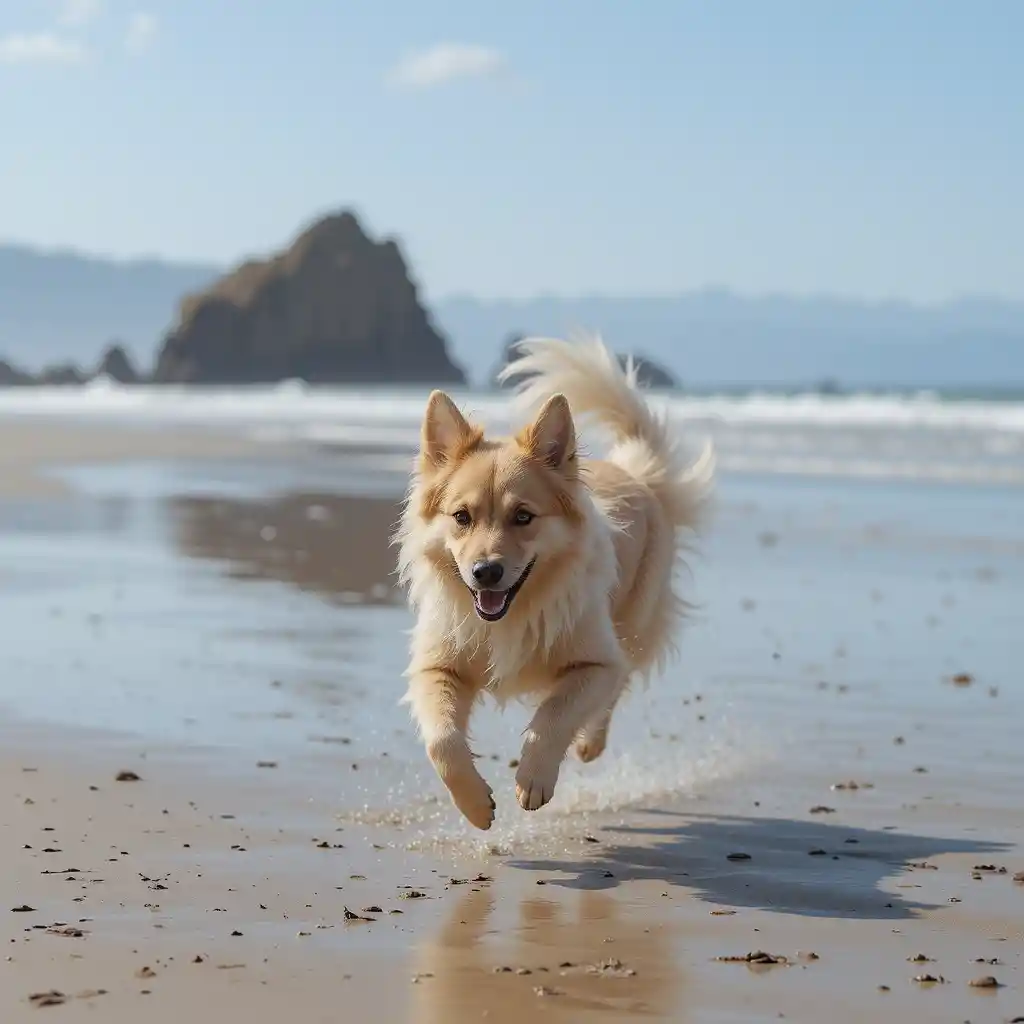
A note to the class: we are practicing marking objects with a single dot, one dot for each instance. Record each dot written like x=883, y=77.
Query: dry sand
x=29, y=448
x=214, y=888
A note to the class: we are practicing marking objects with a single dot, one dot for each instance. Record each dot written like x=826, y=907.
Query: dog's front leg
x=441, y=703
x=582, y=692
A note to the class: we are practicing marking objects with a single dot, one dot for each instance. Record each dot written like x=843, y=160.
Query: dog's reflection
x=562, y=956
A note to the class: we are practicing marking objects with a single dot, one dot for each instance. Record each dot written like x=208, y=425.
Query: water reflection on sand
x=559, y=955
x=335, y=545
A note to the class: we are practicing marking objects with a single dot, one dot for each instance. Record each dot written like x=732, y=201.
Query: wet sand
x=29, y=449
x=231, y=637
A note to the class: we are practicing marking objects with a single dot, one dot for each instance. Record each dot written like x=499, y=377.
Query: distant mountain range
x=64, y=306
x=59, y=306
x=717, y=338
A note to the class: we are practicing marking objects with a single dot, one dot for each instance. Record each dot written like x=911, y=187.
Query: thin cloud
x=78, y=13
x=446, y=62
x=142, y=30
x=40, y=48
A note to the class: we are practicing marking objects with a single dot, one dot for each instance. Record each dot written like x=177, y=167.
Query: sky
x=870, y=149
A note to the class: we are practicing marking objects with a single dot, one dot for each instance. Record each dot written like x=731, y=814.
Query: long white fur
x=509, y=642
x=588, y=373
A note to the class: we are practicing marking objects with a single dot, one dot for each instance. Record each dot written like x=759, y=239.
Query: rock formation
x=59, y=375
x=652, y=374
x=335, y=307
x=648, y=373
x=116, y=365
x=11, y=376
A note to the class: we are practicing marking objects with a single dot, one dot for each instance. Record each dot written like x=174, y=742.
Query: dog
x=537, y=574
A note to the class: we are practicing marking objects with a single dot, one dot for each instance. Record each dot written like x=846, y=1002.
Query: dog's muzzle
x=492, y=605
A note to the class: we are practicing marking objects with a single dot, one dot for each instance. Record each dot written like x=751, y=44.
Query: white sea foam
x=292, y=401
x=920, y=437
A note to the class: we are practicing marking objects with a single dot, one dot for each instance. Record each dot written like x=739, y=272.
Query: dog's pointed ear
x=445, y=430
x=552, y=435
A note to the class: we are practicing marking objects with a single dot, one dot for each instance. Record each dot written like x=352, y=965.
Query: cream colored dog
x=536, y=573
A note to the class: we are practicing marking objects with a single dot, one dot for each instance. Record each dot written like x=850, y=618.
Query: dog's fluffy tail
x=592, y=379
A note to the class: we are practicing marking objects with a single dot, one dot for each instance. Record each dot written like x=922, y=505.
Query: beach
x=215, y=805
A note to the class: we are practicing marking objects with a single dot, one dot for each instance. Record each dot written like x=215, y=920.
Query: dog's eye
x=462, y=517
x=523, y=517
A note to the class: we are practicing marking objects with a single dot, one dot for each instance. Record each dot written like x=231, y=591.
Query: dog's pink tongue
x=491, y=601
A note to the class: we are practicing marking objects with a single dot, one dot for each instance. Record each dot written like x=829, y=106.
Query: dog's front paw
x=535, y=785
x=469, y=790
x=474, y=798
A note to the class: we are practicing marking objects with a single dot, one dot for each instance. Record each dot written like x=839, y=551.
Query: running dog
x=537, y=574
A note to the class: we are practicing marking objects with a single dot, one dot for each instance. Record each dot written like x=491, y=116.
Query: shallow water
x=248, y=607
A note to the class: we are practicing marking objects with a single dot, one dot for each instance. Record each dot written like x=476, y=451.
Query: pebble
x=985, y=982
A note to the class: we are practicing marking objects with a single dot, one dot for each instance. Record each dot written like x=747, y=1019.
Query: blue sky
x=873, y=148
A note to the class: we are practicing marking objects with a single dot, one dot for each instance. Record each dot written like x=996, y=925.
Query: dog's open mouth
x=492, y=605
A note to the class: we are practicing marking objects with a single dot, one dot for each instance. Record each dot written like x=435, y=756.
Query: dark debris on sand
x=51, y=998
x=352, y=916
x=758, y=957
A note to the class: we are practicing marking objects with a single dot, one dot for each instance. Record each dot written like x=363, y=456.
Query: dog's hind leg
x=441, y=703
x=592, y=739
x=585, y=692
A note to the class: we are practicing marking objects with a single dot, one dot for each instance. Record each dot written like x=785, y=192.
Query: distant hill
x=61, y=306
x=58, y=307
x=718, y=338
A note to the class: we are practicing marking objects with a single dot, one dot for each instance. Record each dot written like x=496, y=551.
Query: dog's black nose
x=488, y=574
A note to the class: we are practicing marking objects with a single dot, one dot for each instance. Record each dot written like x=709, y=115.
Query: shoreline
x=603, y=910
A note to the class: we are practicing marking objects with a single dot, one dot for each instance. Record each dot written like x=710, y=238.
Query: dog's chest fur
x=555, y=621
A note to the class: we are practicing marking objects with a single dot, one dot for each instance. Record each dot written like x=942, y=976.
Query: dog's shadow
x=808, y=868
